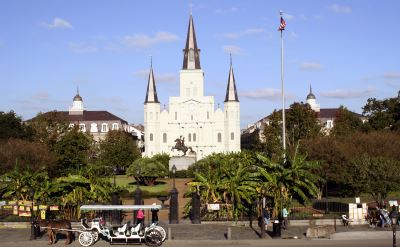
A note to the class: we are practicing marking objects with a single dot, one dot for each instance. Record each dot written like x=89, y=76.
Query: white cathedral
x=192, y=115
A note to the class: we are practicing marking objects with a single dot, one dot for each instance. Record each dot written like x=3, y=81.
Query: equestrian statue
x=180, y=145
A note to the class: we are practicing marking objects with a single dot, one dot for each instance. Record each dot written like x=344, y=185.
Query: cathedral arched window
x=232, y=136
x=151, y=137
x=219, y=137
x=190, y=137
x=164, y=137
x=194, y=137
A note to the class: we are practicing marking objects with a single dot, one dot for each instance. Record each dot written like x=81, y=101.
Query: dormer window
x=104, y=127
x=93, y=127
x=329, y=124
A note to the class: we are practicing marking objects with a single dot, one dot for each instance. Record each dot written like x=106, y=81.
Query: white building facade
x=192, y=115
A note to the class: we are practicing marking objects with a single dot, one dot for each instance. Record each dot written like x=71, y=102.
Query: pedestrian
x=140, y=217
x=285, y=214
x=394, y=213
x=266, y=216
x=154, y=215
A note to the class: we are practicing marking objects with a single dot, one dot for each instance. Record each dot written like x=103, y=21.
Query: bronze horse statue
x=180, y=145
x=54, y=226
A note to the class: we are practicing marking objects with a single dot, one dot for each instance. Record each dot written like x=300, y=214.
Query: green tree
x=336, y=154
x=72, y=151
x=346, y=122
x=11, y=126
x=383, y=114
x=293, y=179
x=301, y=123
x=30, y=156
x=118, y=150
x=49, y=127
x=375, y=175
x=163, y=159
x=147, y=170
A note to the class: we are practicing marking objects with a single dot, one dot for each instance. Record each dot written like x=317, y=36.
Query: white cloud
x=288, y=16
x=264, y=93
x=146, y=41
x=346, y=94
x=58, y=23
x=310, y=66
x=393, y=75
x=232, y=49
x=41, y=96
x=83, y=48
x=236, y=35
x=336, y=8
x=226, y=11
x=166, y=77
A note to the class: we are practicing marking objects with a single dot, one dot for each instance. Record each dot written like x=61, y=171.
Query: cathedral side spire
x=231, y=93
x=191, y=54
x=151, y=94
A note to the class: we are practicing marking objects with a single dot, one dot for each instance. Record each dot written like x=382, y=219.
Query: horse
x=54, y=226
x=180, y=146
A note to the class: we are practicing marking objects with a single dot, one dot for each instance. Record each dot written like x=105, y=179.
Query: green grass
x=129, y=183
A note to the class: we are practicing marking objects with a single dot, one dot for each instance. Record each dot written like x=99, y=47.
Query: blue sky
x=348, y=50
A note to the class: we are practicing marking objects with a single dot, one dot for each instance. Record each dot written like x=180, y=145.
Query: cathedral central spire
x=151, y=94
x=191, y=54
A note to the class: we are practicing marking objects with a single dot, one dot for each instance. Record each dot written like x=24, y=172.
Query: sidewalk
x=185, y=231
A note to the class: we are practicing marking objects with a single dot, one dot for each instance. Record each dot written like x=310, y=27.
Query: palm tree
x=287, y=180
x=238, y=185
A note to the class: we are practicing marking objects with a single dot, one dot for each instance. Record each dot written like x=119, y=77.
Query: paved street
x=215, y=235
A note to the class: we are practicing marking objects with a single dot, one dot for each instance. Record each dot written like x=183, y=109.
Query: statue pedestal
x=181, y=162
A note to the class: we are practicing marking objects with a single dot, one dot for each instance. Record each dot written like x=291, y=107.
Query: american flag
x=282, y=25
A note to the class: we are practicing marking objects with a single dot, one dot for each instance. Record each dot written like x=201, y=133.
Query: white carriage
x=152, y=235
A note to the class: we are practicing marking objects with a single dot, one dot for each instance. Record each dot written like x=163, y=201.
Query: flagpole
x=283, y=99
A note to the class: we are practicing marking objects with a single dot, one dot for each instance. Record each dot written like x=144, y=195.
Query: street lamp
x=173, y=207
x=115, y=173
x=173, y=169
x=137, y=177
x=33, y=232
x=393, y=216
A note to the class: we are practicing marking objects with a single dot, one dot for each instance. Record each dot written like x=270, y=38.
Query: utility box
x=357, y=211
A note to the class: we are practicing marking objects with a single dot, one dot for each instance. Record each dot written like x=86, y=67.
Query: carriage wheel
x=153, y=237
x=163, y=233
x=85, y=238
x=95, y=236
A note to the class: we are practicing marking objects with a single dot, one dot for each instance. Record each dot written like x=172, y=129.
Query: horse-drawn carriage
x=90, y=232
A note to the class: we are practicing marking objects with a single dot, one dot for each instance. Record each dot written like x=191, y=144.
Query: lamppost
x=393, y=216
x=115, y=173
x=33, y=232
x=263, y=217
x=196, y=219
x=173, y=207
